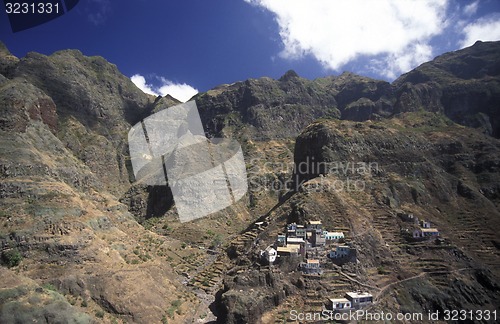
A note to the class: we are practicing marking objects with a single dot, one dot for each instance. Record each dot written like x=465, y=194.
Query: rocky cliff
x=78, y=235
x=63, y=124
x=464, y=85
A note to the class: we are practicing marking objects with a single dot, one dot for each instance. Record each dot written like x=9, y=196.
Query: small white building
x=340, y=304
x=295, y=240
x=333, y=236
x=425, y=233
x=269, y=254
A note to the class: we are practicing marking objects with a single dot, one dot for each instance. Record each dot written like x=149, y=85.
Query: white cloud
x=180, y=91
x=393, y=64
x=397, y=32
x=484, y=29
x=140, y=82
x=471, y=8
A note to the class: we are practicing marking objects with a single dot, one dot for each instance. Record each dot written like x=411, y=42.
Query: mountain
x=82, y=242
x=464, y=85
x=64, y=162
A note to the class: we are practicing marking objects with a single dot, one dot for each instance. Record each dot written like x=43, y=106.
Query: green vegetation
x=11, y=258
x=99, y=314
x=174, y=308
x=50, y=287
x=217, y=240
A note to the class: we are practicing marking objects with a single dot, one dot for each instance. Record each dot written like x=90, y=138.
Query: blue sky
x=180, y=47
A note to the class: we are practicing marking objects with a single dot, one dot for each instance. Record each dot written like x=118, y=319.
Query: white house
x=295, y=240
x=269, y=254
x=340, y=304
x=425, y=232
x=333, y=236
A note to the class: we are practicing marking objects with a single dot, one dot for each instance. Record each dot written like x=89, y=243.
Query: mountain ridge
x=80, y=233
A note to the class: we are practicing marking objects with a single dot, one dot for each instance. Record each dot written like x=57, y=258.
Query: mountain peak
x=289, y=75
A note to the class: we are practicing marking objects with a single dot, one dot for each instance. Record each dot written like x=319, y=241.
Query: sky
x=182, y=47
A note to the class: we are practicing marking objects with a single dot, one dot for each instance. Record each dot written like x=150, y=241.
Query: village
x=313, y=247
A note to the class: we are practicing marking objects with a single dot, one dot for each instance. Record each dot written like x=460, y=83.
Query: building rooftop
x=312, y=261
x=429, y=230
x=288, y=249
x=315, y=222
x=293, y=240
x=335, y=233
x=339, y=300
x=358, y=294
x=294, y=246
x=270, y=249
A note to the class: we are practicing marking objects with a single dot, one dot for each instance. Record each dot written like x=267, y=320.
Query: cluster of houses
x=421, y=229
x=350, y=301
x=309, y=242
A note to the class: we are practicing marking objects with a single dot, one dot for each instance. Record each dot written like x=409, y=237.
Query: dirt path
x=422, y=274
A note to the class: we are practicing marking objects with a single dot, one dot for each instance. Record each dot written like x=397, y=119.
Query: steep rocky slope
x=63, y=126
x=464, y=85
x=77, y=233
x=418, y=163
x=265, y=109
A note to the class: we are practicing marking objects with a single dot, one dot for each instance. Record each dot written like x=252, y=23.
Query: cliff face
x=266, y=109
x=63, y=153
x=464, y=85
x=82, y=237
